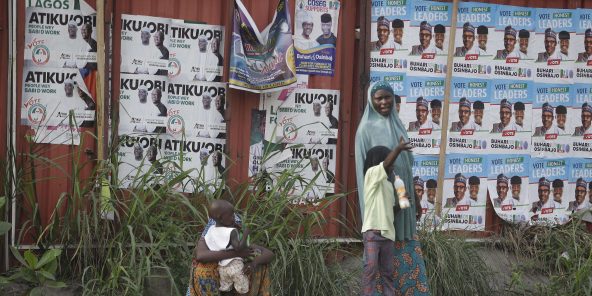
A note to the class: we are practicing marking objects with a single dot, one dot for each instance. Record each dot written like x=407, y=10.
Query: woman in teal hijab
x=381, y=126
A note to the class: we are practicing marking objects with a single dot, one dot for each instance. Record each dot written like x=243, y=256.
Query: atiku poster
x=510, y=116
x=580, y=180
x=425, y=185
x=143, y=103
x=507, y=182
x=466, y=185
x=145, y=43
x=262, y=61
x=389, y=46
x=60, y=38
x=548, y=182
x=421, y=113
x=429, y=30
x=315, y=36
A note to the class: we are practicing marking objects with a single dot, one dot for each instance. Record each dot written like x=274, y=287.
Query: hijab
x=375, y=156
x=377, y=130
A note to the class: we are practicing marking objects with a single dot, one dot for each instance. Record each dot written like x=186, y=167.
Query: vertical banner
x=508, y=186
x=548, y=182
x=555, y=28
x=467, y=123
x=196, y=51
x=421, y=113
x=429, y=32
x=472, y=53
x=513, y=42
x=510, y=116
x=145, y=44
x=466, y=186
x=261, y=61
x=425, y=184
x=580, y=179
x=390, y=40
x=552, y=119
x=316, y=36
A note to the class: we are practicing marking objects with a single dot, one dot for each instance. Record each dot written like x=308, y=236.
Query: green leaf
x=18, y=256
x=2, y=201
x=48, y=256
x=31, y=259
x=46, y=274
x=36, y=292
x=55, y=284
x=4, y=227
x=4, y=280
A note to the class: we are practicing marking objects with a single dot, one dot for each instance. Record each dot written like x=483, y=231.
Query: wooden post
x=100, y=87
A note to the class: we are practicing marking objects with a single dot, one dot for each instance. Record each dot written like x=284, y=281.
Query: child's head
x=222, y=212
x=375, y=156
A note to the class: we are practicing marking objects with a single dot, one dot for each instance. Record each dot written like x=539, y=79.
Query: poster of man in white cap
x=425, y=184
x=389, y=40
x=143, y=104
x=508, y=186
x=583, y=41
x=581, y=134
x=580, y=178
x=145, y=44
x=545, y=176
x=511, y=116
x=315, y=36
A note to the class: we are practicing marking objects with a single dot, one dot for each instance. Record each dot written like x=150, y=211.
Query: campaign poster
x=50, y=95
x=512, y=41
x=157, y=159
x=145, y=44
x=555, y=28
x=429, y=32
x=143, y=104
x=196, y=109
x=421, y=114
x=196, y=52
x=508, y=183
x=60, y=38
x=425, y=185
x=548, y=183
x=465, y=192
x=580, y=179
x=472, y=50
x=397, y=81
x=581, y=134
x=467, y=123
x=390, y=40
x=552, y=120
x=583, y=46
x=510, y=115
x=60, y=134
x=315, y=37
x=262, y=61
x=316, y=166
x=307, y=116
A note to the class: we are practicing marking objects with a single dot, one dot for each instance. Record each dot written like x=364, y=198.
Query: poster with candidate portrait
x=552, y=119
x=143, y=104
x=472, y=50
x=549, y=191
x=554, y=60
x=145, y=44
x=60, y=38
x=261, y=61
x=421, y=113
x=467, y=123
x=429, y=32
x=51, y=95
x=465, y=192
x=580, y=180
x=390, y=40
x=315, y=36
x=512, y=42
x=582, y=44
x=425, y=185
x=196, y=52
x=581, y=134
x=508, y=183
x=307, y=116
x=510, y=116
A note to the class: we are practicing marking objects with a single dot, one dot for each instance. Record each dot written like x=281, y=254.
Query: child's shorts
x=232, y=273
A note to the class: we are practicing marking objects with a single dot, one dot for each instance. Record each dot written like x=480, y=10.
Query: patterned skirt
x=410, y=271
x=205, y=281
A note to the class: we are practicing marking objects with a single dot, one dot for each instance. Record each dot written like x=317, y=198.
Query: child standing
x=224, y=236
x=378, y=227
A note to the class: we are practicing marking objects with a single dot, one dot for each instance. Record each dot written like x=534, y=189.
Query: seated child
x=224, y=236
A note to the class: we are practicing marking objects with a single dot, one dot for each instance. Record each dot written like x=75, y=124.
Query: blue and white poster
x=425, y=184
x=581, y=132
x=580, y=180
x=390, y=40
x=549, y=190
x=510, y=116
x=508, y=186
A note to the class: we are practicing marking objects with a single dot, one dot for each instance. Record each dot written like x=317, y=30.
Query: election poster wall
x=315, y=36
x=465, y=188
x=549, y=190
x=389, y=41
x=145, y=43
x=425, y=184
x=421, y=113
x=510, y=116
x=507, y=183
x=580, y=179
x=262, y=61
x=429, y=29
